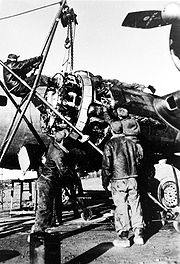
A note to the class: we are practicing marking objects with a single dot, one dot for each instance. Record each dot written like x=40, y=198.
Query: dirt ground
x=89, y=241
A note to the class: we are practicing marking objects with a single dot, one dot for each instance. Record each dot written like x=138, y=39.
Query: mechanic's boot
x=122, y=240
x=138, y=236
x=34, y=229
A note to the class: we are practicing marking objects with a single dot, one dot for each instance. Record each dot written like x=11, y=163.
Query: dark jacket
x=55, y=164
x=120, y=159
x=131, y=127
x=21, y=68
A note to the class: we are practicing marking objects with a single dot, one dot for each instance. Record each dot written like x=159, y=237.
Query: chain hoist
x=68, y=19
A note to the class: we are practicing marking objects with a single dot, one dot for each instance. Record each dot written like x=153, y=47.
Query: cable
x=25, y=12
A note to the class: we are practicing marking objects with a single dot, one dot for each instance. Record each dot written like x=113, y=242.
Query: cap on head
x=60, y=135
x=116, y=127
x=122, y=112
x=12, y=57
x=131, y=128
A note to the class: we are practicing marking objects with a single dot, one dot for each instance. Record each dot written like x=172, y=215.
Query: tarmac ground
x=89, y=241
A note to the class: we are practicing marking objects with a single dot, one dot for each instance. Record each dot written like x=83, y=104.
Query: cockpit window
x=3, y=100
x=171, y=103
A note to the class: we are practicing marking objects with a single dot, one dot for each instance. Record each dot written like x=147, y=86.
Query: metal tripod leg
x=30, y=126
x=5, y=140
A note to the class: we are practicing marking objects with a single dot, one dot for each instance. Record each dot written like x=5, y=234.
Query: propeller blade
x=144, y=19
x=174, y=44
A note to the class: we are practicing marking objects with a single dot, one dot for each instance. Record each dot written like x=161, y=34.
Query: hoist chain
x=71, y=46
x=68, y=19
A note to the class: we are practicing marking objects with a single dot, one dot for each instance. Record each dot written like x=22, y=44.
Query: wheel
x=167, y=194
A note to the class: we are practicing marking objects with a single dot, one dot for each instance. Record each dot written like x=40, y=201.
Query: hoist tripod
x=14, y=127
x=33, y=92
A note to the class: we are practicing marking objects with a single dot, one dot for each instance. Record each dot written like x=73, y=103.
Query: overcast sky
x=102, y=45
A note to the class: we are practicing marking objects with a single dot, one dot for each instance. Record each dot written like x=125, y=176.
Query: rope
x=28, y=11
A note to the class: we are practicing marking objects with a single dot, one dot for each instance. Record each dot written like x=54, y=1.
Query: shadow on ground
x=91, y=254
x=8, y=254
x=100, y=203
x=151, y=230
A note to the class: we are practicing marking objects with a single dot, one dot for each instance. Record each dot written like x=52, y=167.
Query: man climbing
x=22, y=68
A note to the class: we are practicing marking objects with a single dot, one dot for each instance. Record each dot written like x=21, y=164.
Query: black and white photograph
x=89, y=132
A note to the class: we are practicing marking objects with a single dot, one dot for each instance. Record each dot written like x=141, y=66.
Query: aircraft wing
x=144, y=19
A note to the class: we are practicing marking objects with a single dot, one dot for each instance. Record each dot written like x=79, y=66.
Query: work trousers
x=21, y=90
x=49, y=201
x=128, y=212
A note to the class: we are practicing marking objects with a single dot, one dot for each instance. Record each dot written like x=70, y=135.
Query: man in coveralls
x=52, y=174
x=119, y=166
